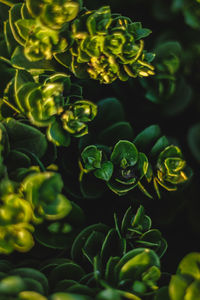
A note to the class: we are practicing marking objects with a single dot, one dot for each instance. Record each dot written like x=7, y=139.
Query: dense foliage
x=96, y=141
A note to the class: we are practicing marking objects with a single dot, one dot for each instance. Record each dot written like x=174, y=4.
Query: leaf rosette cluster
x=54, y=105
x=15, y=217
x=122, y=168
x=41, y=27
x=54, y=14
x=109, y=46
x=171, y=168
x=167, y=167
x=168, y=87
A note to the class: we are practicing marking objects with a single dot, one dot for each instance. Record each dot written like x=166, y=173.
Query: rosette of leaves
x=43, y=192
x=130, y=166
x=96, y=250
x=171, y=168
x=41, y=28
x=15, y=217
x=122, y=168
x=190, y=10
x=56, y=104
x=54, y=14
x=107, y=46
x=104, y=252
x=22, y=282
x=132, y=275
x=168, y=88
x=167, y=167
x=135, y=229
x=29, y=283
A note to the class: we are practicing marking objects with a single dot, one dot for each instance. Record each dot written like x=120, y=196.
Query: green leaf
x=17, y=159
x=178, y=287
x=145, y=140
x=32, y=274
x=190, y=265
x=9, y=39
x=19, y=61
x=68, y=296
x=99, y=20
x=105, y=172
x=25, y=137
x=91, y=157
x=110, y=111
x=112, y=246
x=148, y=256
x=12, y=285
x=138, y=264
x=34, y=285
x=109, y=271
x=159, y=146
x=76, y=250
x=24, y=26
x=118, y=131
x=58, y=135
x=124, y=150
x=30, y=295
x=194, y=141
x=142, y=164
x=139, y=32
x=69, y=270
x=93, y=244
x=108, y=294
x=15, y=15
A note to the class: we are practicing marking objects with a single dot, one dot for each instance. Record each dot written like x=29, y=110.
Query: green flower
x=171, y=168
x=129, y=167
x=77, y=115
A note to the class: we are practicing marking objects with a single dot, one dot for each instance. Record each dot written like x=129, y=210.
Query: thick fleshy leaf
x=138, y=264
x=190, y=265
x=105, y=172
x=58, y=135
x=19, y=61
x=14, y=15
x=32, y=274
x=194, y=141
x=145, y=140
x=76, y=251
x=124, y=150
x=114, y=133
x=67, y=296
x=91, y=157
x=25, y=137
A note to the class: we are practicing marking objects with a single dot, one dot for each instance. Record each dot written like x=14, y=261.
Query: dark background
x=176, y=215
